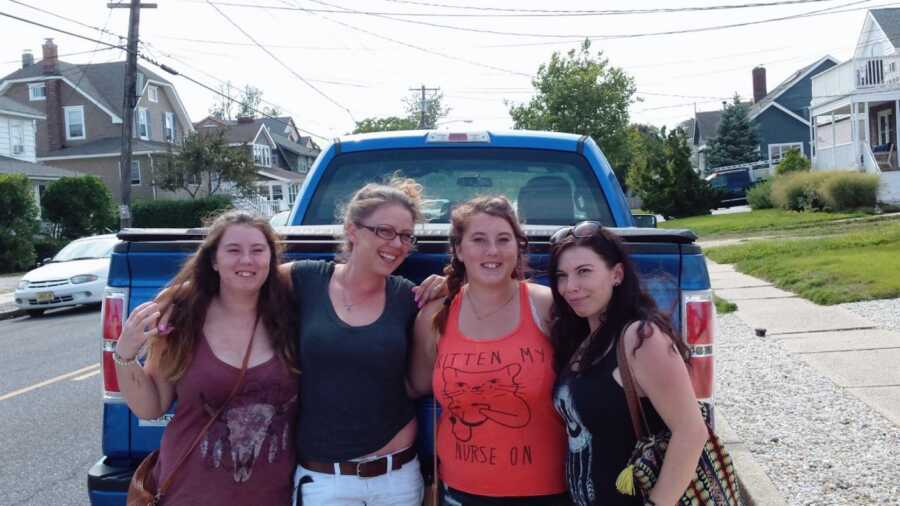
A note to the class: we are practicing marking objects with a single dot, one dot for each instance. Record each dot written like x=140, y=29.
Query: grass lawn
x=861, y=264
x=724, y=306
x=761, y=222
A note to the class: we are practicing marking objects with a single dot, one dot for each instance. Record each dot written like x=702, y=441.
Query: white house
x=855, y=107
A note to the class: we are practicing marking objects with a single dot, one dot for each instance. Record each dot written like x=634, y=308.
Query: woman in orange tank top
x=485, y=353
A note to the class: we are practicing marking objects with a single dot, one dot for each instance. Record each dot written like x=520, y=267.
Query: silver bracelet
x=124, y=362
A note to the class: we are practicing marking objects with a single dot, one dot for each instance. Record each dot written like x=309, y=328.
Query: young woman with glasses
x=596, y=297
x=486, y=353
x=357, y=427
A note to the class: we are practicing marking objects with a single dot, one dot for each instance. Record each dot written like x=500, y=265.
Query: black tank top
x=600, y=434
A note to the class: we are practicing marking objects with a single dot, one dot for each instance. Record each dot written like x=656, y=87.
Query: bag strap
x=234, y=390
x=628, y=385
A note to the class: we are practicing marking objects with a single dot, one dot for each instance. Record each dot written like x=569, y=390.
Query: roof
x=8, y=105
x=33, y=170
x=276, y=173
x=889, y=21
x=707, y=124
x=102, y=81
x=757, y=108
x=294, y=147
x=235, y=133
x=107, y=146
x=277, y=125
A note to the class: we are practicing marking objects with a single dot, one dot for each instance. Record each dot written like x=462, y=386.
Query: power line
x=605, y=12
x=424, y=49
x=70, y=20
x=280, y=62
x=77, y=53
x=522, y=13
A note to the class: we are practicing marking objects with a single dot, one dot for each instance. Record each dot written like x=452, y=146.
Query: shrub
x=793, y=161
x=177, y=213
x=844, y=191
x=80, y=206
x=799, y=191
x=759, y=195
x=18, y=223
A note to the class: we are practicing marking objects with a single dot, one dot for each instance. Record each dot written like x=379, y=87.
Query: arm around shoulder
x=424, y=350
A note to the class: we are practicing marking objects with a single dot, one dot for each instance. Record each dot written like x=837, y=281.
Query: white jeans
x=400, y=487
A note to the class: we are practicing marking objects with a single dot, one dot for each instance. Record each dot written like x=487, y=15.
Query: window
x=153, y=93
x=277, y=192
x=37, y=91
x=262, y=155
x=548, y=187
x=169, y=126
x=135, y=172
x=17, y=137
x=74, y=122
x=777, y=151
x=139, y=84
x=293, y=190
x=143, y=126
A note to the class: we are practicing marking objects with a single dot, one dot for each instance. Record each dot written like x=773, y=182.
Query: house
x=281, y=154
x=856, y=106
x=82, y=109
x=780, y=116
x=18, y=137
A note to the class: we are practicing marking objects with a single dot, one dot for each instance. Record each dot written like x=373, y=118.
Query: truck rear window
x=547, y=187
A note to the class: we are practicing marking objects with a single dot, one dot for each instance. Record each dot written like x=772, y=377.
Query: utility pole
x=129, y=103
x=423, y=104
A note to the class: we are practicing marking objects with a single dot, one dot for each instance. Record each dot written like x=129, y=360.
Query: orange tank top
x=498, y=433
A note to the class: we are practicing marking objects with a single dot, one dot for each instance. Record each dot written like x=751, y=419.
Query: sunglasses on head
x=579, y=230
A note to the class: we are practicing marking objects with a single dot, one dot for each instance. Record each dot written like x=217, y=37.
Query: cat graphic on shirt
x=479, y=396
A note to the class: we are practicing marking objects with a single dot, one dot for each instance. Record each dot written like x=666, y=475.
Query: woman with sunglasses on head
x=597, y=297
x=357, y=426
x=486, y=353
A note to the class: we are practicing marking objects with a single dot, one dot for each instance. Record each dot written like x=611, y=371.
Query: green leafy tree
x=387, y=124
x=205, y=161
x=581, y=93
x=243, y=102
x=737, y=140
x=662, y=176
x=18, y=223
x=79, y=206
x=793, y=161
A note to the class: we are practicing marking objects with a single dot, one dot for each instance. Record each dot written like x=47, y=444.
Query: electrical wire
x=604, y=12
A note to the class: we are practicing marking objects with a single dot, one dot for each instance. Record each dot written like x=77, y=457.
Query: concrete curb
x=756, y=487
x=8, y=311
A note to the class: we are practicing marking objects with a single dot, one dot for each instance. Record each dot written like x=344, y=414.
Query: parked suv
x=733, y=184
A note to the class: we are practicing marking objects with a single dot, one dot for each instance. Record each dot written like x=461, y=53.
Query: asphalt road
x=50, y=406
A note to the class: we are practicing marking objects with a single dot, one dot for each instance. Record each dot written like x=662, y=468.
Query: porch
x=860, y=136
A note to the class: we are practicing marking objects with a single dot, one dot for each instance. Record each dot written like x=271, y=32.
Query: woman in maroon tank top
x=224, y=306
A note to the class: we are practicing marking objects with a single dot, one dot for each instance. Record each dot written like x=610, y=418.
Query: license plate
x=45, y=296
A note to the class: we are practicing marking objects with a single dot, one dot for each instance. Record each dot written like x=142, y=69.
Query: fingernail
x=163, y=327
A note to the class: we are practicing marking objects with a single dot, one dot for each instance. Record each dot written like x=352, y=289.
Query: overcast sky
x=363, y=63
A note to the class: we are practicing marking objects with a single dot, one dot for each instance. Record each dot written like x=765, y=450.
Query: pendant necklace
x=490, y=313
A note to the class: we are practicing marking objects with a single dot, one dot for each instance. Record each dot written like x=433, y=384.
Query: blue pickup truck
x=553, y=179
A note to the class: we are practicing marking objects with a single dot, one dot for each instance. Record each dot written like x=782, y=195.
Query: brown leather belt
x=364, y=468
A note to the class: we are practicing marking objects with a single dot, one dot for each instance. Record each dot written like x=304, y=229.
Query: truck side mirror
x=644, y=220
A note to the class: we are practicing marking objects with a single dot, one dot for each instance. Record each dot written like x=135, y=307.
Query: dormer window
x=37, y=91
x=153, y=93
x=262, y=155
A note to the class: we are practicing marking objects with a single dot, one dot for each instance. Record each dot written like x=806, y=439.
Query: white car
x=76, y=275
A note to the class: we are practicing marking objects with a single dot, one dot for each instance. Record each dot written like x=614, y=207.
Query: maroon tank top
x=247, y=456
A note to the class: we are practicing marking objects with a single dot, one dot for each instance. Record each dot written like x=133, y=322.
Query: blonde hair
x=399, y=190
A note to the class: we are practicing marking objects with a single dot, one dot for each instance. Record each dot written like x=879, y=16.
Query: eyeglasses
x=579, y=230
x=388, y=233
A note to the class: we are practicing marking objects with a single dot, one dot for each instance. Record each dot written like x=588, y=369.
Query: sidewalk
x=848, y=350
x=8, y=307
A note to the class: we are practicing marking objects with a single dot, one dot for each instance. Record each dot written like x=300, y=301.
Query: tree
x=434, y=110
x=249, y=101
x=737, y=140
x=582, y=93
x=387, y=124
x=79, y=206
x=792, y=161
x=207, y=157
x=18, y=223
x=662, y=176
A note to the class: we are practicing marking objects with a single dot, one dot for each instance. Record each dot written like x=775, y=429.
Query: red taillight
x=115, y=304
x=698, y=326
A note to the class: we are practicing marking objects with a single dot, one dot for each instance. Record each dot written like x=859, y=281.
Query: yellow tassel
x=625, y=481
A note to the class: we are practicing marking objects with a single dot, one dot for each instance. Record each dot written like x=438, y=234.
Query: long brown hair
x=629, y=303
x=455, y=271
x=197, y=283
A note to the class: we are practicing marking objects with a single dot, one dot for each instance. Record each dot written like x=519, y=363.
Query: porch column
x=833, y=143
x=853, y=135
x=896, y=133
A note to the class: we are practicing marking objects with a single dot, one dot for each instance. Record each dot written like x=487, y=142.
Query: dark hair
x=399, y=190
x=455, y=271
x=197, y=283
x=629, y=303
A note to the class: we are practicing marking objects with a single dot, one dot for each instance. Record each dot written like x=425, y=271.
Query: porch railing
x=839, y=157
x=853, y=75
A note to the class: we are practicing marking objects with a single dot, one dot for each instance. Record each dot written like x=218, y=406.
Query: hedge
x=824, y=191
x=18, y=223
x=759, y=195
x=177, y=213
